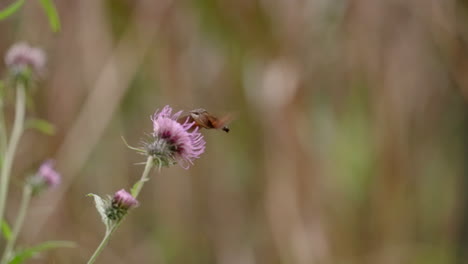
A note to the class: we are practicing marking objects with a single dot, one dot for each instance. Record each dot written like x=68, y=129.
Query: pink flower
x=123, y=200
x=21, y=55
x=48, y=174
x=174, y=142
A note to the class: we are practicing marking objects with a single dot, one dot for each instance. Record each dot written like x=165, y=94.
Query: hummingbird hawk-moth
x=202, y=119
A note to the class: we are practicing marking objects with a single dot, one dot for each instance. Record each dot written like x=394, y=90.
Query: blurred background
x=349, y=144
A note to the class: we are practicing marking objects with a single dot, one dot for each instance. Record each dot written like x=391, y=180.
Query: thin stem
x=139, y=185
x=3, y=134
x=16, y=133
x=27, y=193
x=144, y=177
x=103, y=244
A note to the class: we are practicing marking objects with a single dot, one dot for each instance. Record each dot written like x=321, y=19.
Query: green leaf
x=41, y=125
x=52, y=14
x=6, y=230
x=135, y=187
x=11, y=9
x=28, y=253
x=101, y=206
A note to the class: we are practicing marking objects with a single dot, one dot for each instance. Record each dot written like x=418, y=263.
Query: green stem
x=3, y=134
x=27, y=193
x=16, y=133
x=103, y=244
x=139, y=185
x=144, y=177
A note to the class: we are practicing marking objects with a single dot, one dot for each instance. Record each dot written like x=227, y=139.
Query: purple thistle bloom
x=21, y=55
x=174, y=142
x=48, y=174
x=123, y=200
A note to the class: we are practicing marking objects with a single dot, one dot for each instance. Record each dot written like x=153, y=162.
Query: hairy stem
x=27, y=193
x=17, y=131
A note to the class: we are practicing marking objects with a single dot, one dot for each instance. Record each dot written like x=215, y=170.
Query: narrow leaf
x=41, y=125
x=28, y=253
x=52, y=15
x=6, y=230
x=11, y=9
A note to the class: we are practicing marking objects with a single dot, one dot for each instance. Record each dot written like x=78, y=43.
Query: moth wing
x=205, y=121
x=185, y=118
x=221, y=122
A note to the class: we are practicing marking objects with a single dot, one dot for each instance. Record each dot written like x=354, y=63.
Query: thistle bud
x=120, y=204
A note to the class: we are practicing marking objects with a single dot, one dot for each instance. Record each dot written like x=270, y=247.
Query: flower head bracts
x=120, y=204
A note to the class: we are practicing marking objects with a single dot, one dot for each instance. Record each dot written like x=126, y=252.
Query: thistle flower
x=172, y=142
x=46, y=177
x=21, y=57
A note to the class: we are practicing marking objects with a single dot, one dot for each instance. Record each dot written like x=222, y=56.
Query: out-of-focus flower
x=46, y=177
x=173, y=142
x=22, y=57
x=47, y=172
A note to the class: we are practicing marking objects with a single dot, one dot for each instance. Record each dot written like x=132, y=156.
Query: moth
x=204, y=119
